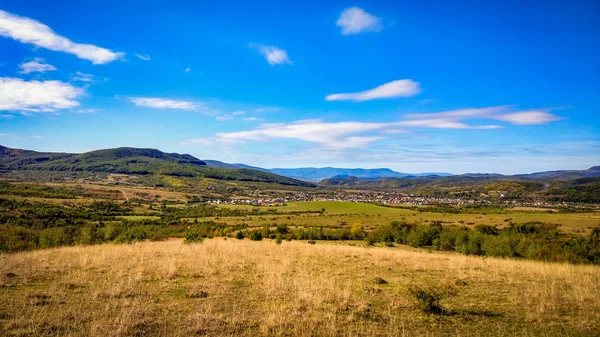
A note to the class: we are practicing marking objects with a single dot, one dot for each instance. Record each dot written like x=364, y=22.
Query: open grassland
x=239, y=287
x=346, y=213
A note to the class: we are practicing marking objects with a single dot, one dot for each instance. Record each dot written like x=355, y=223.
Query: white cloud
x=238, y=113
x=460, y=113
x=35, y=96
x=143, y=57
x=440, y=123
x=339, y=135
x=84, y=111
x=355, y=20
x=164, y=103
x=79, y=76
x=7, y=116
x=272, y=54
x=251, y=119
x=500, y=113
x=37, y=65
x=223, y=118
x=398, y=88
x=187, y=70
x=528, y=117
x=30, y=31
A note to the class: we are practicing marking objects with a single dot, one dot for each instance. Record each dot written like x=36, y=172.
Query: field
x=345, y=213
x=240, y=287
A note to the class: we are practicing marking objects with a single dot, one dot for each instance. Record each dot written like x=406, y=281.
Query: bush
x=133, y=234
x=256, y=236
x=193, y=235
x=428, y=298
x=357, y=231
x=278, y=239
x=504, y=245
x=240, y=235
x=55, y=237
x=18, y=239
x=486, y=229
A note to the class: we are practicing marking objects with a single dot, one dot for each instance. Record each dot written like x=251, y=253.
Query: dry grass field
x=240, y=287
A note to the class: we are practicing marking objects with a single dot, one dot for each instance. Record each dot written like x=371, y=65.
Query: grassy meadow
x=245, y=288
x=345, y=213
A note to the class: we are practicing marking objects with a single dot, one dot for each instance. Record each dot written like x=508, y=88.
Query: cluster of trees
x=534, y=240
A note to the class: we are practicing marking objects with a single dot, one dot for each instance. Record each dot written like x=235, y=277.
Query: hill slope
x=127, y=160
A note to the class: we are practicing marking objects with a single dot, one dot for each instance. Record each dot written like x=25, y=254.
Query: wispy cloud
x=143, y=57
x=164, y=103
x=339, y=135
x=84, y=111
x=37, y=65
x=351, y=134
x=30, y=31
x=223, y=118
x=252, y=119
x=37, y=96
x=82, y=77
x=238, y=113
x=528, y=117
x=398, y=88
x=440, y=123
x=272, y=54
x=188, y=69
x=502, y=113
x=355, y=20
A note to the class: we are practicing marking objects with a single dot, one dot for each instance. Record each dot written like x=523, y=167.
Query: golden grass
x=230, y=287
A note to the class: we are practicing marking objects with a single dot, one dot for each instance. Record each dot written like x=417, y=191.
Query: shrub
x=357, y=231
x=312, y=242
x=504, y=245
x=193, y=235
x=90, y=235
x=133, y=234
x=18, y=239
x=278, y=239
x=240, y=235
x=428, y=298
x=55, y=237
x=256, y=236
x=486, y=229
x=447, y=239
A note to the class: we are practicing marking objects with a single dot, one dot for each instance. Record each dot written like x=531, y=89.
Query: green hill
x=127, y=160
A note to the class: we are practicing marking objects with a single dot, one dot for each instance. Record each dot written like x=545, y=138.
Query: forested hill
x=127, y=160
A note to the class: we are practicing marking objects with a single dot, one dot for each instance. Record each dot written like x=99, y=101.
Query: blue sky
x=453, y=86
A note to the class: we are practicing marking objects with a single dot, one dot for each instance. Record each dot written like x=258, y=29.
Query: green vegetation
x=129, y=161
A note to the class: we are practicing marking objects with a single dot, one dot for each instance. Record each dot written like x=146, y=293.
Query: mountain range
x=128, y=160
x=317, y=174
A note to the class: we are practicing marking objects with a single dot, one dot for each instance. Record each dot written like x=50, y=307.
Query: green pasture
x=340, y=214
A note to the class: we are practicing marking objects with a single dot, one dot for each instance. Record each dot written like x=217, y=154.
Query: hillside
x=459, y=180
x=246, y=288
x=562, y=187
x=127, y=160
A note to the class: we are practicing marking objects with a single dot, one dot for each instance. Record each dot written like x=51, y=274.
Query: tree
x=357, y=231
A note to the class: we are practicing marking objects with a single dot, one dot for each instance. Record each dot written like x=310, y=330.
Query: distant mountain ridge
x=469, y=178
x=318, y=174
